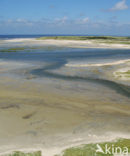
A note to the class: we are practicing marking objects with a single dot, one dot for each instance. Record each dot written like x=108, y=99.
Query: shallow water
x=52, y=106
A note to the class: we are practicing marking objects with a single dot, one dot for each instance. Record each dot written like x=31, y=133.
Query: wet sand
x=51, y=114
x=50, y=107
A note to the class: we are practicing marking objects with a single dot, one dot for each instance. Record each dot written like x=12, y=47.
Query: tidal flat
x=56, y=98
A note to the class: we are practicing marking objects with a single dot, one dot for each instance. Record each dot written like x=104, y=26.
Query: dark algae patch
x=30, y=49
x=13, y=49
x=28, y=115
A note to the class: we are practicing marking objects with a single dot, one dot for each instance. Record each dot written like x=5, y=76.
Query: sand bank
x=98, y=65
x=69, y=43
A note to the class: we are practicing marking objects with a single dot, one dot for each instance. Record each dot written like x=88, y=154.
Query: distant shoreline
x=68, y=42
x=94, y=41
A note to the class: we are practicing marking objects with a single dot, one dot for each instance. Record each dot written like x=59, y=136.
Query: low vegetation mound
x=118, y=148
x=84, y=38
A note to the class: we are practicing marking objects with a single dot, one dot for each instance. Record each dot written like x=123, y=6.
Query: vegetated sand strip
x=69, y=43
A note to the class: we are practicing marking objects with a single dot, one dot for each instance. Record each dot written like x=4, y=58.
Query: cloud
x=65, y=25
x=16, y=22
x=52, y=6
x=82, y=14
x=81, y=20
x=119, y=6
x=85, y=20
x=62, y=20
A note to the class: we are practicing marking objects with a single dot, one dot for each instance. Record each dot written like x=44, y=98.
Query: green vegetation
x=84, y=38
x=29, y=49
x=94, y=39
x=115, y=147
x=98, y=39
x=128, y=72
x=123, y=74
x=18, y=153
x=90, y=149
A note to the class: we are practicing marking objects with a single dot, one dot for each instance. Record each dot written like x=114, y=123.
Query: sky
x=72, y=17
